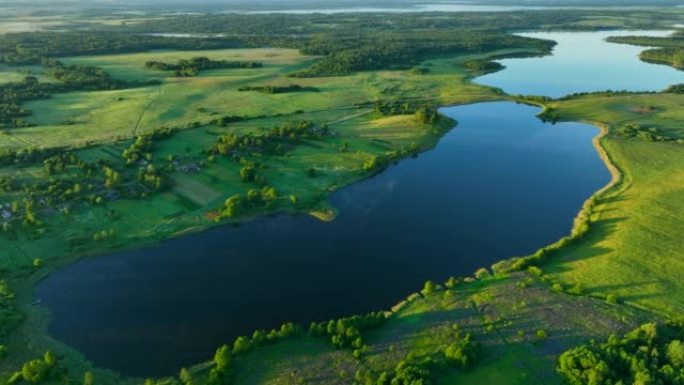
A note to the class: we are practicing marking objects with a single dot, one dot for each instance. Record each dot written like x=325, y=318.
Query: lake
x=583, y=62
x=500, y=184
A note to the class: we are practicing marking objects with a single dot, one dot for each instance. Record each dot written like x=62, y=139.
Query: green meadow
x=634, y=247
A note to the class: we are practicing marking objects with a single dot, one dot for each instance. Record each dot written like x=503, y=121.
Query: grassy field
x=634, y=248
x=75, y=119
x=503, y=315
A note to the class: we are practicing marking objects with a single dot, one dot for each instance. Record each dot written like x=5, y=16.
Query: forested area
x=349, y=44
x=193, y=66
x=297, y=26
x=651, y=354
x=32, y=47
x=403, y=50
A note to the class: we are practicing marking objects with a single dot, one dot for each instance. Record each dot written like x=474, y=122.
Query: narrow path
x=147, y=107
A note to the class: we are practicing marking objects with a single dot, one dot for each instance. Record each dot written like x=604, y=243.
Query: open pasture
x=79, y=118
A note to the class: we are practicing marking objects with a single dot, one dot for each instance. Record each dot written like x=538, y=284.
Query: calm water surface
x=500, y=184
x=582, y=62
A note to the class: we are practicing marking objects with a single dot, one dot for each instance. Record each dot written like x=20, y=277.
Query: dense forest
x=402, y=50
x=30, y=48
x=651, y=354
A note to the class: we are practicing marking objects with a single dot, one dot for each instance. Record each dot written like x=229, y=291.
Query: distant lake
x=581, y=62
x=500, y=184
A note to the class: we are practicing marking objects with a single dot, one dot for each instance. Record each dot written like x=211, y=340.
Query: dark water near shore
x=500, y=184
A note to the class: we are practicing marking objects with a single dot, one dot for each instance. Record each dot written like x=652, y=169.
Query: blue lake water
x=500, y=184
x=583, y=62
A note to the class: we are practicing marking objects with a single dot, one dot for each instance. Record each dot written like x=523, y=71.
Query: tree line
x=278, y=89
x=651, y=354
x=192, y=67
x=272, y=142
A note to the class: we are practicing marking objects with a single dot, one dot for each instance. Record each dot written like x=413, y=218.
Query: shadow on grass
x=585, y=248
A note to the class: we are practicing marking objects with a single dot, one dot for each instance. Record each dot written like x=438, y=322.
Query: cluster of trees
x=254, y=199
x=192, y=67
x=483, y=65
x=397, y=107
x=424, y=113
x=70, y=78
x=651, y=134
x=39, y=371
x=221, y=372
x=152, y=178
x=409, y=371
x=70, y=181
x=346, y=332
x=651, y=354
x=141, y=148
x=26, y=155
x=226, y=120
x=8, y=184
x=401, y=49
x=675, y=89
x=60, y=161
x=463, y=353
x=10, y=316
x=83, y=78
x=421, y=370
x=32, y=47
x=278, y=89
x=12, y=94
x=272, y=142
x=427, y=115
